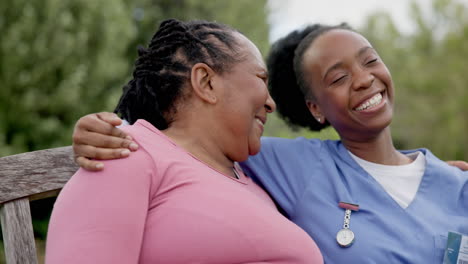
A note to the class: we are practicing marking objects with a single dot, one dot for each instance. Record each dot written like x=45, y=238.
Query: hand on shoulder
x=96, y=137
x=462, y=165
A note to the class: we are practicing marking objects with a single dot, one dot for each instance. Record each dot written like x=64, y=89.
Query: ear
x=316, y=111
x=201, y=77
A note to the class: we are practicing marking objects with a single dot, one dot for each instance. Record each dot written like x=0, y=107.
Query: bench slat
x=18, y=236
x=33, y=173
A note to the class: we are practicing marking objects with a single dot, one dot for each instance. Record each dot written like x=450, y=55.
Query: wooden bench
x=23, y=178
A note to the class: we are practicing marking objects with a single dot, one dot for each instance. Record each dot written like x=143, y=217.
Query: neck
x=199, y=140
x=378, y=149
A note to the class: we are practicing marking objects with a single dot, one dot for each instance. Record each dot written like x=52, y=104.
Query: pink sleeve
x=99, y=217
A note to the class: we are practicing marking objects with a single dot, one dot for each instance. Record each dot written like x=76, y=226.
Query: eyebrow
x=363, y=50
x=333, y=67
x=339, y=64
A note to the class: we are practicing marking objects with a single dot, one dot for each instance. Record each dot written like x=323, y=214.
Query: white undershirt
x=400, y=182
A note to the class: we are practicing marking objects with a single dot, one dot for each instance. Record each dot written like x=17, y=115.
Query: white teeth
x=375, y=100
x=259, y=121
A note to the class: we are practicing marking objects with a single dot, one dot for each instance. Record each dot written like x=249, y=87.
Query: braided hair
x=287, y=84
x=163, y=69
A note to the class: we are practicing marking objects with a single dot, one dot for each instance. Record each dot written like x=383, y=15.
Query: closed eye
x=264, y=77
x=338, y=79
x=371, y=61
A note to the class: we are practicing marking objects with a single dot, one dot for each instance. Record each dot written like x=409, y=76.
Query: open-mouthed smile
x=370, y=103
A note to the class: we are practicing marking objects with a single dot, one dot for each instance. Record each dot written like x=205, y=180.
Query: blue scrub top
x=309, y=177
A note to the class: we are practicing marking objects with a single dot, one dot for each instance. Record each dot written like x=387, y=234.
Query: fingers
x=113, y=120
x=110, y=118
x=87, y=152
x=102, y=123
x=88, y=164
x=462, y=165
x=102, y=141
x=91, y=152
x=96, y=137
x=95, y=130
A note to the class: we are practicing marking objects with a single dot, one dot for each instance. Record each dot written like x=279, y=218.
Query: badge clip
x=345, y=237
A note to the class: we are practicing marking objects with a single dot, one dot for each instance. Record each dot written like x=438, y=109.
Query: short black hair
x=287, y=84
x=163, y=69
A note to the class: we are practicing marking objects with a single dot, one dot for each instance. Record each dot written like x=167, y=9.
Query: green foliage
x=429, y=72
x=60, y=60
x=233, y=13
x=276, y=127
x=2, y=253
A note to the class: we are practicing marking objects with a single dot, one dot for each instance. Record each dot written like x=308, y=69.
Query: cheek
x=253, y=103
x=386, y=77
x=337, y=100
x=336, y=108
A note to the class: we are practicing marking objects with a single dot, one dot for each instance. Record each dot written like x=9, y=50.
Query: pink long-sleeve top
x=162, y=205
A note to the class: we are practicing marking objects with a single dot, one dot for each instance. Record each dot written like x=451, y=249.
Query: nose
x=363, y=79
x=270, y=104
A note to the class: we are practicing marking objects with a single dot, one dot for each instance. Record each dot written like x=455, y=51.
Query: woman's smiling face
x=246, y=102
x=351, y=86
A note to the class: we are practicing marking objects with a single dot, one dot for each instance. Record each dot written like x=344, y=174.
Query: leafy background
x=60, y=60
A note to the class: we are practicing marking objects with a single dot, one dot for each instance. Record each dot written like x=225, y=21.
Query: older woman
x=198, y=100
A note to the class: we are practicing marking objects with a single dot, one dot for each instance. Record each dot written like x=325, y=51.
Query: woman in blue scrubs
x=407, y=201
x=361, y=200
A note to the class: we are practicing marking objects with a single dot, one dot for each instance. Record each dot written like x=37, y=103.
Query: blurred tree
x=62, y=59
x=429, y=72
x=254, y=25
x=58, y=60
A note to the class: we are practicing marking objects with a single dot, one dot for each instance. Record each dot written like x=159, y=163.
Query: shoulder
x=162, y=151
x=298, y=147
x=435, y=163
x=438, y=167
x=140, y=162
x=151, y=140
x=142, y=130
x=280, y=152
x=286, y=144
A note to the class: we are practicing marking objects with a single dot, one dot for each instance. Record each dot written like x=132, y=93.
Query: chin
x=242, y=158
x=387, y=120
x=254, y=150
x=253, y=153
